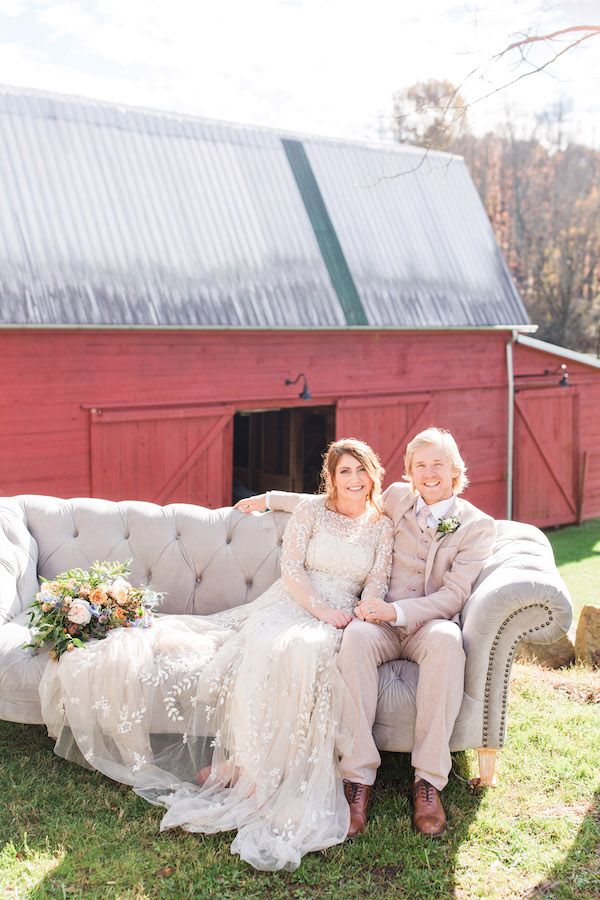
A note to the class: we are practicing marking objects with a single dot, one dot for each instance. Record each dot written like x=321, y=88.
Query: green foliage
x=577, y=554
x=66, y=831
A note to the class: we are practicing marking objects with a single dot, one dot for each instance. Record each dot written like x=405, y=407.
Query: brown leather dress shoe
x=428, y=813
x=358, y=797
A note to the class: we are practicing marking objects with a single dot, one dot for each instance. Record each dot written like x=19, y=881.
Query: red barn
x=164, y=279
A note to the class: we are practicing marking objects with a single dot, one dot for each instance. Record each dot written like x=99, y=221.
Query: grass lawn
x=67, y=832
x=577, y=552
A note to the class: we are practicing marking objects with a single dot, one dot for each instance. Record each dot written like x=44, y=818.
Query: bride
x=252, y=697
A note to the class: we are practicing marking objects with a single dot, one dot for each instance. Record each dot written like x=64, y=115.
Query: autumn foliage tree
x=542, y=195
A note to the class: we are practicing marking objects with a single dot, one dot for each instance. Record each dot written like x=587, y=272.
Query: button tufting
x=76, y=533
x=198, y=579
x=126, y=536
x=228, y=540
x=248, y=582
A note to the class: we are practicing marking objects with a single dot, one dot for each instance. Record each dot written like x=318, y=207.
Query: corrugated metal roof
x=114, y=216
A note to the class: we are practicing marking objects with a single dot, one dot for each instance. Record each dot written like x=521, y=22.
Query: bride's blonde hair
x=363, y=454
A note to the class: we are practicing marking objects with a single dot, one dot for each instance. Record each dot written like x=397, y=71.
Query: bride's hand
x=252, y=504
x=339, y=618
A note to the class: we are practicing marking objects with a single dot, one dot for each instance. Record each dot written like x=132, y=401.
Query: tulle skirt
x=253, y=693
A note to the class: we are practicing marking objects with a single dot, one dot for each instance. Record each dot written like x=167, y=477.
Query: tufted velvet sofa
x=208, y=560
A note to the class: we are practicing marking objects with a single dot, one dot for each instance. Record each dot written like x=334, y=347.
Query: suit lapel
x=403, y=507
x=437, y=539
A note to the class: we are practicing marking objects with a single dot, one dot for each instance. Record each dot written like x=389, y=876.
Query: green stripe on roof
x=329, y=245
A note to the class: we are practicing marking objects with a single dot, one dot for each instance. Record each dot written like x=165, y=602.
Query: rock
x=587, y=639
x=550, y=656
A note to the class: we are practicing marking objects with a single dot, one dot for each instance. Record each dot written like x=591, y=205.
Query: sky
x=326, y=67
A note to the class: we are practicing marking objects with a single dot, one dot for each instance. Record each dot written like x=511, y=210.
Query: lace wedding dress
x=254, y=692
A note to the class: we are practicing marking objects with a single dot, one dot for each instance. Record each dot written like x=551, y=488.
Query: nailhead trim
x=507, y=668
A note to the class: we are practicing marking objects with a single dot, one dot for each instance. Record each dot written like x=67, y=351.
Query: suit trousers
x=438, y=650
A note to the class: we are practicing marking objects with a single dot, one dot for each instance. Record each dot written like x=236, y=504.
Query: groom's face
x=432, y=474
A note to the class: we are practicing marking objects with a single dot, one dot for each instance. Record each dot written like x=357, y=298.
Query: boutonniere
x=449, y=525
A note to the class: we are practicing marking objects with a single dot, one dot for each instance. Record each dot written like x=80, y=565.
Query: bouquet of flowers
x=79, y=605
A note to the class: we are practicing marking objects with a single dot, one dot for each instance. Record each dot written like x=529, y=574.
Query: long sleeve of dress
x=286, y=501
x=378, y=579
x=293, y=557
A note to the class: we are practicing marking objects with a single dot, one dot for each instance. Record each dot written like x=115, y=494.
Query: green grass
x=577, y=553
x=67, y=832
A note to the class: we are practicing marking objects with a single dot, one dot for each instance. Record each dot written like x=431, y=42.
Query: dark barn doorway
x=280, y=449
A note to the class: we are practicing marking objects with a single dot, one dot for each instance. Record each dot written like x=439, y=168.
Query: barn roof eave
x=99, y=326
x=555, y=350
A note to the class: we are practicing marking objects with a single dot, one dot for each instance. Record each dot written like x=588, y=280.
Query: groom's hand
x=252, y=504
x=375, y=611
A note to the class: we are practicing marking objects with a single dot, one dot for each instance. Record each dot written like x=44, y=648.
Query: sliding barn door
x=165, y=455
x=546, y=478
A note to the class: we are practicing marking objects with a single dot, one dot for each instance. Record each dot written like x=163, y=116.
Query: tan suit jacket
x=453, y=563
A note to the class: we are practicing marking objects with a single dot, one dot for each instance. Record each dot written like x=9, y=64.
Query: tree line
x=541, y=191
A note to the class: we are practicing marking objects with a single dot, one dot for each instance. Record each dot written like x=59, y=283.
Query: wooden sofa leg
x=487, y=767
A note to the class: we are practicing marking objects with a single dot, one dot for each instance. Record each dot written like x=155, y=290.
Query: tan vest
x=411, y=547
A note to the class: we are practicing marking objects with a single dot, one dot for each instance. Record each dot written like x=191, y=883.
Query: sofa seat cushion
x=394, y=726
x=20, y=671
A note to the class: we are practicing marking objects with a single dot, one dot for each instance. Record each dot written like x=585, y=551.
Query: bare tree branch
x=527, y=41
x=533, y=39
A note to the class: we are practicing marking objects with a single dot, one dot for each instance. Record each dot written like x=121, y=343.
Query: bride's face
x=351, y=479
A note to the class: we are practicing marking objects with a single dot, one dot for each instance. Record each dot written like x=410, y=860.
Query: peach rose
x=98, y=596
x=118, y=586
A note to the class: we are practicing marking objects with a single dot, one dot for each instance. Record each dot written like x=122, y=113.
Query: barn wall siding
x=50, y=376
x=585, y=381
x=385, y=384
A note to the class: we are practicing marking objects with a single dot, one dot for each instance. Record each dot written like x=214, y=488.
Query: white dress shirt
x=437, y=511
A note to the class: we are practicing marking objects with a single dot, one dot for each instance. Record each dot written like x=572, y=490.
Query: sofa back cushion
x=205, y=560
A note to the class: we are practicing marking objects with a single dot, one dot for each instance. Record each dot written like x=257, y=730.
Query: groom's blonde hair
x=361, y=452
x=437, y=437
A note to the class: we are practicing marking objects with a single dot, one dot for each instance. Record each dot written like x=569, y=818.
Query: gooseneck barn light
x=304, y=394
x=563, y=381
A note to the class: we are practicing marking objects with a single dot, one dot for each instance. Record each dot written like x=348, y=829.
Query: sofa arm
x=510, y=604
x=18, y=561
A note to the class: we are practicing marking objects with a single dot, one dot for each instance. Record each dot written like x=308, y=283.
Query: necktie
x=422, y=517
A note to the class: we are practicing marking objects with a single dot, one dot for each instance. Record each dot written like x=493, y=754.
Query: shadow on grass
x=98, y=839
x=573, y=543
x=578, y=875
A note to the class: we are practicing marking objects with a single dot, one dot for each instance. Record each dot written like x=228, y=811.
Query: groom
x=441, y=543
